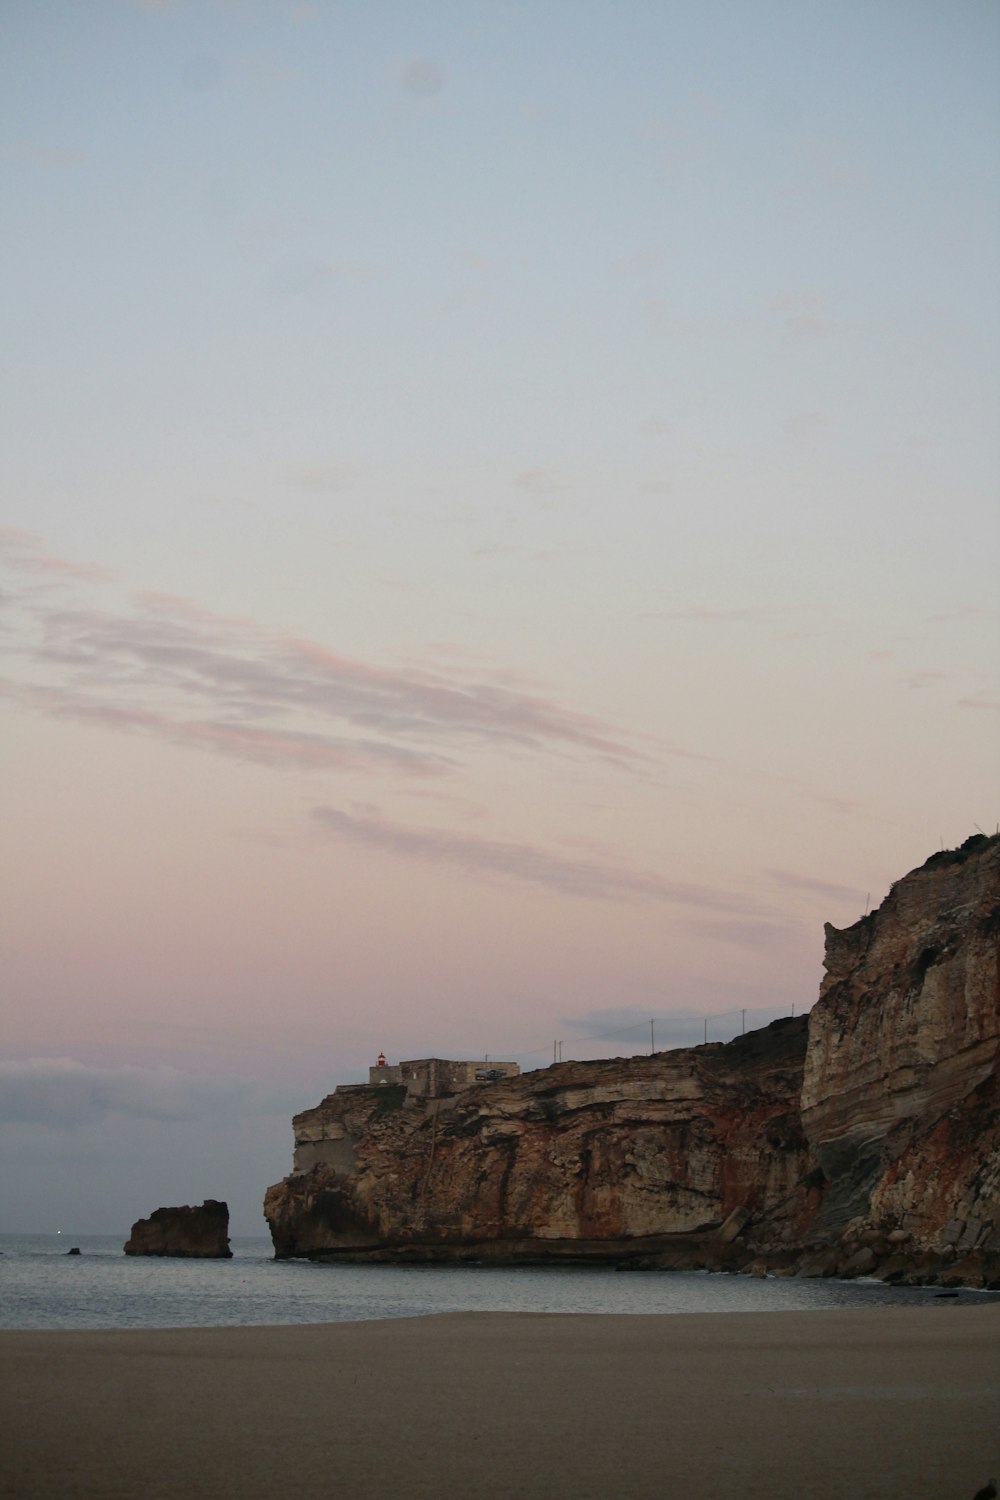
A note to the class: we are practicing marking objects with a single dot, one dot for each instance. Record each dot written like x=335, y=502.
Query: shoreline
x=835, y=1404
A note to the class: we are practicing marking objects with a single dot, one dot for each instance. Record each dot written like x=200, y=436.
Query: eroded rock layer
x=192, y=1233
x=573, y=1160
x=862, y=1139
x=900, y=1090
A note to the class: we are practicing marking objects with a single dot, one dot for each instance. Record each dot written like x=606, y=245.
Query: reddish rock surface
x=863, y=1139
x=580, y=1159
x=900, y=1090
x=193, y=1233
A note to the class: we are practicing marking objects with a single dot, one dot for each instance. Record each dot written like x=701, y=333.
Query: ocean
x=41, y=1286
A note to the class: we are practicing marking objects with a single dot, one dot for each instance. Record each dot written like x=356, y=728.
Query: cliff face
x=575, y=1160
x=863, y=1138
x=900, y=1089
x=193, y=1233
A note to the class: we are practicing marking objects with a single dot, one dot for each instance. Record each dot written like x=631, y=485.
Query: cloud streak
x=703, y=615
x=790, y=881
x=164, y=666
x=591, y=878
x=64, y=1094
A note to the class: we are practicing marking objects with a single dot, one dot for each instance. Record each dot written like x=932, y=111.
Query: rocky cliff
x=900, y=1097
x=193, y=1233
x=862, y=1139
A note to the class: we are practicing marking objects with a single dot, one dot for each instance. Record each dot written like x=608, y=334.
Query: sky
x=498, y=541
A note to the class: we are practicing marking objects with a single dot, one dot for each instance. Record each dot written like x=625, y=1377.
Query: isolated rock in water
x=194, y=1233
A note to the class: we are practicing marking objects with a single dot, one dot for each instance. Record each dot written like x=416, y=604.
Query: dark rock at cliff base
x=862, y=1139
x=192, y=1233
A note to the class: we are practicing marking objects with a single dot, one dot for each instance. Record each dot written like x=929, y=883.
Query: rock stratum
x=860, y=1139
x=200, y=1233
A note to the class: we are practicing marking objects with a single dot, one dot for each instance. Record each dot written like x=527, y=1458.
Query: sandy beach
x=497, y=1406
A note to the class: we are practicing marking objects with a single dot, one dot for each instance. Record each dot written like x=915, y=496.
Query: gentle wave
x=41, y=1286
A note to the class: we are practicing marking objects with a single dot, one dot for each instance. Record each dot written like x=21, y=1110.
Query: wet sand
x=832, y=1405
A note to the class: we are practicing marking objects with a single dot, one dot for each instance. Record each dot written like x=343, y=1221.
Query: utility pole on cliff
x=652, y=1037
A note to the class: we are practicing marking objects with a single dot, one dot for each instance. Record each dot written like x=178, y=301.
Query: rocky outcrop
x=193, y=1233
x=862, y=1139
x=900, y=1089
x=580, y=1160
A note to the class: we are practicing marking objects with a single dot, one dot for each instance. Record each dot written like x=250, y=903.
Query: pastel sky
x=499, y=540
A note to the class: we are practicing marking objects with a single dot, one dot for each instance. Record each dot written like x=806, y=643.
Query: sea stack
x=192, y=1233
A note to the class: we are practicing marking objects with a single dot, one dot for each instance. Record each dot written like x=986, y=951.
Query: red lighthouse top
x=381, y=1060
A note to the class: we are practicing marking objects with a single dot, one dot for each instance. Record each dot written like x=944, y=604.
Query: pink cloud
x=595, y=879
x=155, y=663
x=789, y=880
x=704, y=615
x=264, y=746
x=25, y=552
x=17, y=537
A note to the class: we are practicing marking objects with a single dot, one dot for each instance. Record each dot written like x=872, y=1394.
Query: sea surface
x=41, y=1286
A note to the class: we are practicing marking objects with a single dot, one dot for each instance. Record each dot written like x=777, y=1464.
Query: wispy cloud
x=804, y=426
x=261, y=745
x=680, y=1026
x=328, y=478
x=25, y=552
x=842, y=805
x=40, y=154
x=498, y=549
x=761, y=937
x=617, y=1022
x=350, y=270
x=473, y=261
x=696, y=614
x=59, y=567
x=789, y=880
x=965, y=612
x=804, y=314
x=13, y=537
x=289, y=275
x=596, y=879
x=161, y=665
x=64, y=1094
x=639, y=262
x=422, y=78
x=540, y=481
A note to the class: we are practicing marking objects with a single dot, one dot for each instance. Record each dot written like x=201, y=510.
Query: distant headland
x=861, y=1139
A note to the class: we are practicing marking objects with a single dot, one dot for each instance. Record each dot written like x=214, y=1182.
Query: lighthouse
x=383, y=1072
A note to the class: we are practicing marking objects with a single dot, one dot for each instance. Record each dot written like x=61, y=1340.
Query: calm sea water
x=43, y=1287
